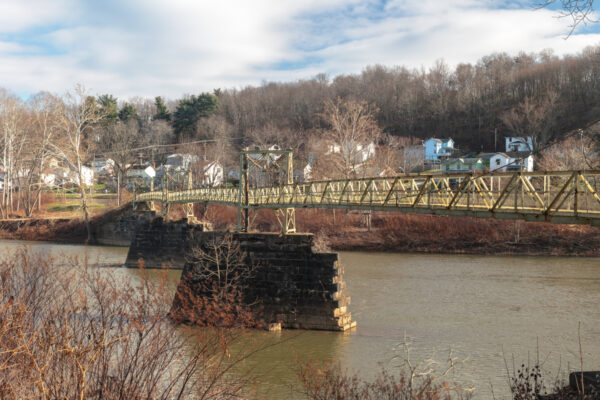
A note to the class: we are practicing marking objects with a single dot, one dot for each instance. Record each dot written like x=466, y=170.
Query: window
x=497, y=161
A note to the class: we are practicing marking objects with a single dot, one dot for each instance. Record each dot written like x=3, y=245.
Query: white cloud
x=17, y=15
x=147, y=48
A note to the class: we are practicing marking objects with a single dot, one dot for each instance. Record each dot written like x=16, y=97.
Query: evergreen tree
x=162, y=112
x=190, y=111
x=128, y=112
x=108, y=108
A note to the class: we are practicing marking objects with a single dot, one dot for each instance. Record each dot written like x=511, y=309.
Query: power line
x=155, y=146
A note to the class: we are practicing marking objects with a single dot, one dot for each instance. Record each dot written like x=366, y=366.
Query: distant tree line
x=535, y=94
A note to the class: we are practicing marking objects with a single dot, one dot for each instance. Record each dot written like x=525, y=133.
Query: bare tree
x=78, y=333
x=213, y=292
x=352, y=133
x=580, y=11
x=78, y=116
x=533, y=118
x=220, y=140
x=574, y=153
x=118, y=141
x=285, y=138
x=400, y=153
x=43, y=126
x=157, y=132
x=12, y=143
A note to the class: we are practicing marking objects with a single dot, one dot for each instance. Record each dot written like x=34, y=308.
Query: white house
x=59, y=175
x=2, y=174
x=436, y=149
x=519, y=144
x=307, y=172
x=213, y=174
x=103, y=167
x=513, y=161
x=137, y=173
x=360, y=152
x=49, y=178
x=180, y=162
x=87, y=174
x=55, y=175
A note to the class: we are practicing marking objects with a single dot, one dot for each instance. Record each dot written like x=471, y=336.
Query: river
x=486, y=309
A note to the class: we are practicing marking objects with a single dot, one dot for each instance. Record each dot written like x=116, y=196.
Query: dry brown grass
x=325, y=381
x=426, y=233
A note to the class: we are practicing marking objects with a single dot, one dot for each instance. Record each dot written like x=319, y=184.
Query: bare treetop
x=580, y=11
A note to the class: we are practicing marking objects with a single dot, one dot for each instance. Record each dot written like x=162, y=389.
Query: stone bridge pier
x=293, y=284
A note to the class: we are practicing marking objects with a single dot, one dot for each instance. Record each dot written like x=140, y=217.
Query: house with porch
x=512, y=161
x=438, y=149
x=463, y=164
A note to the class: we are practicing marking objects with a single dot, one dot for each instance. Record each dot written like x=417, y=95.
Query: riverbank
x=418, y=233
x=63, y=227
x=390, y=232
x=434, y=234
x=67, y=230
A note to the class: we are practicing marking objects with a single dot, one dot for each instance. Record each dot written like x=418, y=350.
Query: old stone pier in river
x=292, y=284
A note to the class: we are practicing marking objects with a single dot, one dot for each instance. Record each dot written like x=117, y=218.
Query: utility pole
x=243, y=219
x=495, y=136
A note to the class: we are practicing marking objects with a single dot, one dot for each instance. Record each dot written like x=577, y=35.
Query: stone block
x=339, y=311
x=274, y=327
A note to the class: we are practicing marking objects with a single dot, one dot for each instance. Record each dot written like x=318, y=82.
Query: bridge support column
x=189, y=207
x=287, y=220
x=287, y=281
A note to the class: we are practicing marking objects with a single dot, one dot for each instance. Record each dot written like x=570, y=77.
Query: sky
x=176, y=47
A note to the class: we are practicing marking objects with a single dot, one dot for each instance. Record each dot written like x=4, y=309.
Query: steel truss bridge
x=564, y=197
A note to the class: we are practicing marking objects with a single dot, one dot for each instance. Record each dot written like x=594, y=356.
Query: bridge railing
x=564, y=196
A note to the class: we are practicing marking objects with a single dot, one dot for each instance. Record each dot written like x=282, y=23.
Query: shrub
x=75, y=331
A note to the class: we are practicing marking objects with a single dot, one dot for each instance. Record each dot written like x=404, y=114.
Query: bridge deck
x=561, y=197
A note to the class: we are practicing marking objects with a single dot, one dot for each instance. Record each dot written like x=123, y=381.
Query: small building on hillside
x=307, y=172
x=103, y=167
x=357, y=152
x=137, y=171
x=511, y=161
x=87, y=175
x=213, y=174
x=58, y=176
x=180, y=162
x=2, y=176
x=517, y=143
x=463, y=164
x=438, y=149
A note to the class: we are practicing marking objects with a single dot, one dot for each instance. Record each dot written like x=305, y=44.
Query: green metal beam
x=472, y=197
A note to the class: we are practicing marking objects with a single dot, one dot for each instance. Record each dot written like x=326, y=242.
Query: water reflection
x=101, y=255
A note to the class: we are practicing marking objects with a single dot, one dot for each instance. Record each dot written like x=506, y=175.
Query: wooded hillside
x=535, y=94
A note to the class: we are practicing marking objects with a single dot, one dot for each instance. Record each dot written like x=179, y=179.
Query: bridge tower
x=270, y=167
x=189, y=207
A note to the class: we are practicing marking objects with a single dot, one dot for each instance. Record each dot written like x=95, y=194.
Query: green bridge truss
x=565, y=197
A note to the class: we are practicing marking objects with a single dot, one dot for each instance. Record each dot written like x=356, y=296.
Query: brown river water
x=485, y=309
